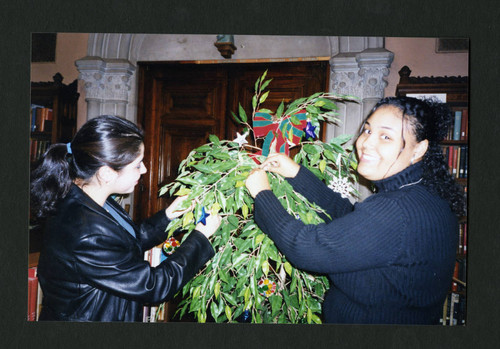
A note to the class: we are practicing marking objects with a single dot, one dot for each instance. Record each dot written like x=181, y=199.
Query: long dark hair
x=430, y=119
x=102, y=141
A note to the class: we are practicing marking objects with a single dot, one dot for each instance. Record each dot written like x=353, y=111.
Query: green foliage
x=214, y=175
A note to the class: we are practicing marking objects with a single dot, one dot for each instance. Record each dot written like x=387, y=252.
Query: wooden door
x=181, y=104
x=178, y=108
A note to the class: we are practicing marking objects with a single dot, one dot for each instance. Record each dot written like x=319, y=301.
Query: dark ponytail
x=430, y=119
x=50, y=180
x=102, y=141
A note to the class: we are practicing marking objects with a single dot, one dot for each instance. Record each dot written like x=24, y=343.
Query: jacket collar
x=78, y=194
x=407, y=177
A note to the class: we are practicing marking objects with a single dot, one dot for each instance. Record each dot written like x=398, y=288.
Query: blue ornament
x=309, y=130
x=246, y=316
x=203, y=217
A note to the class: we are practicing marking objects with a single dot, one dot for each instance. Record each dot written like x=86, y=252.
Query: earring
x=412, y=160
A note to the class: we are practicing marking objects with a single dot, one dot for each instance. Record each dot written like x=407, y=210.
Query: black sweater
x=390, y=258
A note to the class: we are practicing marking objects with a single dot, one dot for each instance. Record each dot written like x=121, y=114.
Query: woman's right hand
x=281, y=164
x=212, y=224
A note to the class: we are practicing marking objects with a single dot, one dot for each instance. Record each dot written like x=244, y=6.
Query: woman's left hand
x=172, y=210
x=257, y=181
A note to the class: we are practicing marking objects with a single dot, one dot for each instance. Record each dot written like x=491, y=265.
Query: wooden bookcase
x=61, y=100
x=455, y=148
x=52, y=117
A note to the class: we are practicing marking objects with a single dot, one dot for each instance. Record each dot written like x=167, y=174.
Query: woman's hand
x=257, y=181
x=281, y=164
x=172, y=211
x=212, y=224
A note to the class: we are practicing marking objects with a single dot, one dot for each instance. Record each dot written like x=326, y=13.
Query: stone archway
x=358, y=66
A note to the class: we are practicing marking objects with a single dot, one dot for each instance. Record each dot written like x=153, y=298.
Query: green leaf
x=228, y=297
x=280, y=109
x=228, y=312
x=263, y=98
x=233, y=220
x=183, y=191
x=312, y=110
x=256, y=86
x=220, y=155
x=322, y=166
x=310, y=149
x=204, y=168
x=239, y=259
x=214, y=310
x=276, y=302
x=187, y=219
x=309, y=316
x=265, y=84
x=214, y=139
x=263, y=76
x=226, y=255
x=315, y=318
x=265, y=267
x=236, y=118
x=340, y=139
x=188, y=180
x=242, y=113
x=244, y=210
x=217, y=290
x=203, y=148
x=254, y=102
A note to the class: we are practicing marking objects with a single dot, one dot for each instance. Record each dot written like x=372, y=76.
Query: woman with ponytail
x=390, y=258
x=91, y=265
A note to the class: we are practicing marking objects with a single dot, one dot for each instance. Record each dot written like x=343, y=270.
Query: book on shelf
x=41, y=118
x=34, y=295
x=457, y=157
x=459, y=130
x=33, y=115
x=457, y=125
x=454, y=310
x=464, y=129
x=462, y=238
x=38, y=148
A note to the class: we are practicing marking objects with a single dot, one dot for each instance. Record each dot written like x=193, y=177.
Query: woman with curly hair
x=91, y=265
x=390, y=258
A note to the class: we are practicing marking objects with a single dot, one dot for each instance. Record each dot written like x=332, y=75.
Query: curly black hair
x=430, y=119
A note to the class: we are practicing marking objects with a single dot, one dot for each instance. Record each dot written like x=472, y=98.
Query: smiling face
x=380, y=147
x=128, y=177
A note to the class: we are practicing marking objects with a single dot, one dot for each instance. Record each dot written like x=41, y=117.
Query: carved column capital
x=107, y=83
x=361, y=74
x=107, y=80
x=344, y=77
x=373, y=67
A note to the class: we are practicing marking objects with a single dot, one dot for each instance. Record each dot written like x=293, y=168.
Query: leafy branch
x=249, y=279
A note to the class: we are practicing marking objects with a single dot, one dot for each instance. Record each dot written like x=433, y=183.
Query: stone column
x=359, y=74
x=107, y=85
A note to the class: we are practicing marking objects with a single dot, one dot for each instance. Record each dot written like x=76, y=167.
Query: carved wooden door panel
x=181, y=107
x=181, y=104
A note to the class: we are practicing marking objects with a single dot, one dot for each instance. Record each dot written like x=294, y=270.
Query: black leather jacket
x=92, y=269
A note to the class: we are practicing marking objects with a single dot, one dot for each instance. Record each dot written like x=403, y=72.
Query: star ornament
x=203, y=217
x=241, y=139
x=309, y=130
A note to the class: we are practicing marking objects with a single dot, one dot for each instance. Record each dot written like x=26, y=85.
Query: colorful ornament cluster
x=170, y=246
x=266, y=287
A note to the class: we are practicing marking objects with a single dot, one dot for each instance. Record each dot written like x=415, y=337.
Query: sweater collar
x=409, y=176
